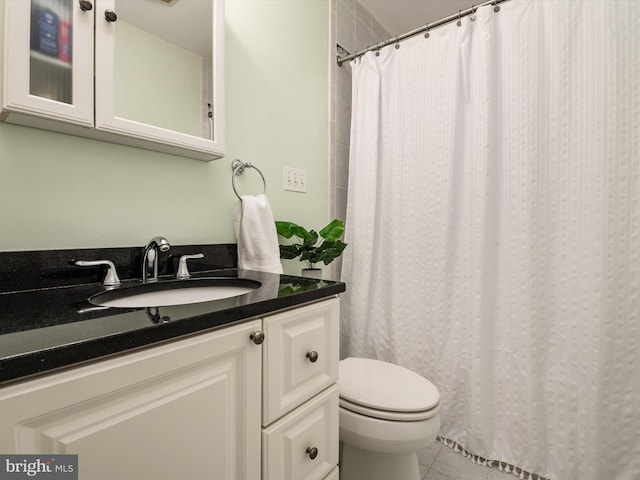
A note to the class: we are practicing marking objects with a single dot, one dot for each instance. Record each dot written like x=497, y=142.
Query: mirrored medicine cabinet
x=158, y=67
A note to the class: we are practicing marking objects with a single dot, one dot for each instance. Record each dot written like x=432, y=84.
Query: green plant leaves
x=328, y=251
x=309, y=250
x=289, y=252
x=333, y=231
x=290, y=229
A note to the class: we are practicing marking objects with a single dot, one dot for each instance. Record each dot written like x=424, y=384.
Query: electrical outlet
x=294, y=180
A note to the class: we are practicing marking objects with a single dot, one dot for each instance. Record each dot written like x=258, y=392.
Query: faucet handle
x=183, y=270
x=111, y=278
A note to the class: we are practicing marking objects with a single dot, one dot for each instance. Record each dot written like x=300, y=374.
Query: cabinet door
x=159, y=73
x=300, y=356
x=48, y=60
x=304, y=444
x=334, y=475
x=187, y=409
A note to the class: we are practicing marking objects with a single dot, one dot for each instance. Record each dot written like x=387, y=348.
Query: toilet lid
x=385, y=386
x=389, y=415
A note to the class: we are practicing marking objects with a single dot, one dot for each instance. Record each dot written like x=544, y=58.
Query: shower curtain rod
x=417, y=31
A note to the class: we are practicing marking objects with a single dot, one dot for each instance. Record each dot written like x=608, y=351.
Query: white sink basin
x=174, y=292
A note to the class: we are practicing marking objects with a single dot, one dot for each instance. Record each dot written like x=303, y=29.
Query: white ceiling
x=401, y=16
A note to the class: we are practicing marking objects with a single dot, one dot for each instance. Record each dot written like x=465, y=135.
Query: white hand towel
x=256, y=235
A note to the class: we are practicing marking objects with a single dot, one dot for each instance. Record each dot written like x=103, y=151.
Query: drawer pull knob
x=312, y=356
x=257, y=337
x=312, y=452
x=110, y=16
x=85, y=5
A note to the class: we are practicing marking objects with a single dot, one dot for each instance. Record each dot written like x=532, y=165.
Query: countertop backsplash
x=38, y=269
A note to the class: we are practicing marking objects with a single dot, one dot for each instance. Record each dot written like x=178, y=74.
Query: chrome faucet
x=150, y=258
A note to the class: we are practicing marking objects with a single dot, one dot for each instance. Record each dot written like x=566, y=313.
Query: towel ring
x=238, y=166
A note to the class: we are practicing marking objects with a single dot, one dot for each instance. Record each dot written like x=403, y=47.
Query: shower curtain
x=494, y=227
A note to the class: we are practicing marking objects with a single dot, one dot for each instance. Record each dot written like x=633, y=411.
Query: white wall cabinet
x=194, y=408
x=43, y=85
x=158, y=70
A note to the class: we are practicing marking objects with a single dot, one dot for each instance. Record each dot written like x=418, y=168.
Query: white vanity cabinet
x=186, y=409
x=229, y=404
x=300, y=396
x=153, y=70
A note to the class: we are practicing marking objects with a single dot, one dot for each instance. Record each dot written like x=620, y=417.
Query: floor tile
x=426, y=456
x=435, y=475
x=458, y=467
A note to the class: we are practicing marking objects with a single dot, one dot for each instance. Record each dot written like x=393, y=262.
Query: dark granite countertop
x=44, y=329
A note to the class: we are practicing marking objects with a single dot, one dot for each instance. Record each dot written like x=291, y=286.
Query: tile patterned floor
x=439, y=462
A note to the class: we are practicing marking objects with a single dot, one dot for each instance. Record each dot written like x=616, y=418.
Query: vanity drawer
x=300, y=356
x=309, y=431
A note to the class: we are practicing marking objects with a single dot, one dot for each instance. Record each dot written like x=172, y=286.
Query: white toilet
x=387, y=413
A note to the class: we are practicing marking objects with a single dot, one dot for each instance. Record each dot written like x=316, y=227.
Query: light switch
x=294, y=180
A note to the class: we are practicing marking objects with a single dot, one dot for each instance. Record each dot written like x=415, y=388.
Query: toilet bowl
x=387, y=414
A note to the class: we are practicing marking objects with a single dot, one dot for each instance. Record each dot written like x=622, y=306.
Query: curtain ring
x=496, y=7
x=377, y=49
x=472, y=17
x=426, y=33
x=397, y=42
x=459, y=22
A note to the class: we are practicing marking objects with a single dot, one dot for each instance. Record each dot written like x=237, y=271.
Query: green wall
x=58, y=191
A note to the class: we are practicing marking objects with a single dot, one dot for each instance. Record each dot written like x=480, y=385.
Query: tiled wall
x=353, y=28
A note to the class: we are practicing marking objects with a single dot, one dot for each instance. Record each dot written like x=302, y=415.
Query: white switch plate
x=294, y=180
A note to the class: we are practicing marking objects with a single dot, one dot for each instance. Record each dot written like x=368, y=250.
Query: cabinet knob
x=110, y=16
x=257, y=337
x=85, y=5
x=312, y=452
x=312, y=356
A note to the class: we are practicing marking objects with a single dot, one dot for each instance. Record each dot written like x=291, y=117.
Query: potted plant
x=309, y=248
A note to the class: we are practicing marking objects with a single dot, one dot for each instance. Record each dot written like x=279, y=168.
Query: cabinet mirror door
x=50, y=59
x=159, y=71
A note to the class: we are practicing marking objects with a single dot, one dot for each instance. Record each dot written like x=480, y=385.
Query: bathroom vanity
x=238, y=388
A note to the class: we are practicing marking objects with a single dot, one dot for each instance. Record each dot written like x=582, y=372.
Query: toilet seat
x=389, y=415
x=386, y=391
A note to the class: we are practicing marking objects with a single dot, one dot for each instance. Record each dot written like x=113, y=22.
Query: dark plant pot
x=312, y=273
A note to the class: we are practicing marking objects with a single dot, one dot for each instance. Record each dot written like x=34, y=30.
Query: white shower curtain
x=494, y=228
